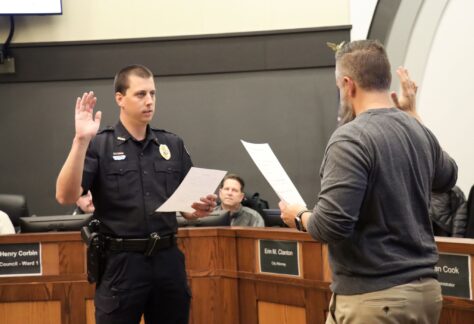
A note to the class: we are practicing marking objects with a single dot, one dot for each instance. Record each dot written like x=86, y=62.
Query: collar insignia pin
x=120, y=138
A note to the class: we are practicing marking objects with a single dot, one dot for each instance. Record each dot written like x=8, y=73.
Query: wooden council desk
x=224, y=274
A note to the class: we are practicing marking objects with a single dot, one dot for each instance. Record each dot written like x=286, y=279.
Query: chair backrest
x=257, y=203
x=211, y=220
x=273, y=218
x=14, y=206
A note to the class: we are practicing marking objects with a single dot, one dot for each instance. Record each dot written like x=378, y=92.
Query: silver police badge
x=165, y=151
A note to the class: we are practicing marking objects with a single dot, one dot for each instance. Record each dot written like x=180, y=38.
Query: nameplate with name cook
x=21, y=259
x=454, y=274
x=279, y=257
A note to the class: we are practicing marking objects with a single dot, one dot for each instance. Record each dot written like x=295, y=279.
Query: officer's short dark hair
x=366, y=62
x=121, y=78
x=233, y=177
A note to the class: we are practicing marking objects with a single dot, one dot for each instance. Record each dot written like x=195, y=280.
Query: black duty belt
x=147, y=246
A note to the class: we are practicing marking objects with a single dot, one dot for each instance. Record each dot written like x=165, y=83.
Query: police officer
x=131, y=169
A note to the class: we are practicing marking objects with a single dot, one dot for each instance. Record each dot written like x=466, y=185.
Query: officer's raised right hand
x=86, y=125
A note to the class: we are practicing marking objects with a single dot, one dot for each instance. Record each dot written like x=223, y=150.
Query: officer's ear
x=119, y=99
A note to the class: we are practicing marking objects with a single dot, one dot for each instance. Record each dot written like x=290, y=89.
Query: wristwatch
x=299, y=222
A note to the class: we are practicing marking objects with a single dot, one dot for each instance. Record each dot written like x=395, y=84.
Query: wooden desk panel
x=60, y=292
x=222, y=272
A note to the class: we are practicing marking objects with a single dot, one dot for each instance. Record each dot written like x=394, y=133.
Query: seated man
x=84, y=205
x=6, y=226
x=231, y=194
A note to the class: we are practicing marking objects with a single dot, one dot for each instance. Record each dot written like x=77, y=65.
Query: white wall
x=445, y=101
x=125, y=19
x=432, y=38
x=361, y=13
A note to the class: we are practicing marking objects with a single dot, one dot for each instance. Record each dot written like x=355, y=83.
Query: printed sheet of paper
x=273, y=171
x=197, y=183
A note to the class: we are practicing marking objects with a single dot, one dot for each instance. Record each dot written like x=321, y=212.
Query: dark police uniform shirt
x=130, y=179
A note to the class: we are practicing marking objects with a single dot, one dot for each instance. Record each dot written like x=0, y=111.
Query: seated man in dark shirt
x=231, y=194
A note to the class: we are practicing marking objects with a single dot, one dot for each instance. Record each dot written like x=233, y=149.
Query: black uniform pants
x=134, y=284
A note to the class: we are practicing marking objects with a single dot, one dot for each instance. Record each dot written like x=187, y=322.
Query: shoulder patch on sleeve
x=106, y=129
x=159, y=130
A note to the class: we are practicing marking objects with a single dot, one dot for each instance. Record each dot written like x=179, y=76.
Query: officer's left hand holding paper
x=192, y=195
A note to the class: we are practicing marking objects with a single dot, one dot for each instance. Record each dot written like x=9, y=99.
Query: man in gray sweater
x=377, y=176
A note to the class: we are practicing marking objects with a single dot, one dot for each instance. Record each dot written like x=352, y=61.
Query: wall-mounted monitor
x=31, y=7
x=53, y=223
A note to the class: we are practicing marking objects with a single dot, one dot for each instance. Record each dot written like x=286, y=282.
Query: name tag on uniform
x=119, y=156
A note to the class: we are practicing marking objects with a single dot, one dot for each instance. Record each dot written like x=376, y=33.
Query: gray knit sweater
x=377, y=176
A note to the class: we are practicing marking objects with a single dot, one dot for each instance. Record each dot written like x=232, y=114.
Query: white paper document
x=273, y=171
x=197, y=183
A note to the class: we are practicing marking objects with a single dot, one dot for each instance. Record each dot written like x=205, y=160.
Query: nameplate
x=22, y=259
x=454, y=274
x=279, y=257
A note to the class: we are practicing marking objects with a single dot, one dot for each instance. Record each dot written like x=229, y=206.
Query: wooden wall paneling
x=68, y=265
x=457, y=310
x=228, y=310
x=209, y=252
x=317, y=305
x=206, y=300
x=455, y=316
x=271, y=313
x=50, y=259
x=248, y=308
x=312, y=260
x=247, y=257
x=327, y=276
x=280, y=303
x=38, y=312
x=81, y=302
x=226, y=255
x=70, y=296
x=90, y=311
x=211, y=267
x=222, y=273
x=472, y=275
x=283, y=298
x=62, y=291
x=459, y=305
x=38, y=300
x=26, y=292
x=201, y=255
x=280, y=293
x=455, y=245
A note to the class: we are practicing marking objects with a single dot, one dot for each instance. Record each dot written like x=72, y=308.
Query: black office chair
x=15, y=207
x=273, y=218
x=212, y=220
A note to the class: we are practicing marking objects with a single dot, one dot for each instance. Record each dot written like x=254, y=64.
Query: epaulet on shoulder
x=106, y=129
x=159, y=130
